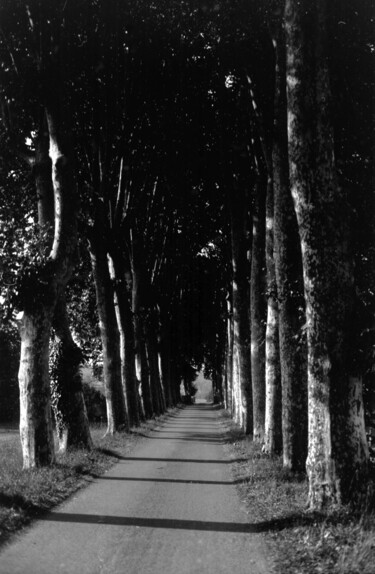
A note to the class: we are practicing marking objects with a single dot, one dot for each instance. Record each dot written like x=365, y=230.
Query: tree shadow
x=118, y=456
x=168, y=523
x=166, y=480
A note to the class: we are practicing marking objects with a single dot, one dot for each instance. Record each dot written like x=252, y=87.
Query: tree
x=258, y=310
x=288, y=275
x=240, y=301
x=272, y=431
x=334, y=456
x=108, y=331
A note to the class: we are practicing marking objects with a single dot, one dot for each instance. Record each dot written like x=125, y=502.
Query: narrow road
x=169, y=508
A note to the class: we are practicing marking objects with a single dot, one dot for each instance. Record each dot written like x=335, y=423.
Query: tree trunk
x=356, y=424
x=40, y=293
x=220, y=341
x=288, y=266
x=240, y=291
x=35, y=407
x=335, y=463
x=258, y=312
x=272, y=435
x=68, y=403
x=165, y=359
x=121, y=277
x=109, y=333
x=152, y=357
x=142, y=368
x=229, y=364
x=35, y=403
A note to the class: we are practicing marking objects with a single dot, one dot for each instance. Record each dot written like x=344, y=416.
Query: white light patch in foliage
x=229, y=81
x=208, y=251
x=269, y=223
x=54, y=150
x=291, y=120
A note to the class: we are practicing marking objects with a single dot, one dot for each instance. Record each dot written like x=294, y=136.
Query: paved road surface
x=169, y=508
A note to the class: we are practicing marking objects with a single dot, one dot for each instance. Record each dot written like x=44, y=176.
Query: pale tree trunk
x=288, y=267
x=237, y=406
x=240, y=302
x=258, y=311
x=121, y=278
x=35, y=408
x=272, y=434
x=68, y=403
x=229, y=357
x=161, y=392
x=142, y=368
x=108, y=331
x=336, y=464
x=35, y=403
x=40, y=299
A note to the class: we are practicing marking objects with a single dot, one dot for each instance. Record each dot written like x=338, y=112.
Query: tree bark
x=272, y=435
x=68, y=403
x=165, y=359
x=139, y=311
x=258, y=311
x=240, y=291
x=40, y=293
x=35, y=403
x=229, y=356
x=109, y=333
x=334, y=465
x=288, y=267
x=152, y=357
x=67, y=397
x=122, y=281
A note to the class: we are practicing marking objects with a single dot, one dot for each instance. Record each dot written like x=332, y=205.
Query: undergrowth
x=24, y=494
x=335, y=542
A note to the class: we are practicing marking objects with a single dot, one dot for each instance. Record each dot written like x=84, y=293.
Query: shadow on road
x=167, y=480
x=189, y=460
x=273, y=525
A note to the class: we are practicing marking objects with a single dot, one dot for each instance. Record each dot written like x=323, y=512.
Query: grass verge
x=25, y=494
x=338, y=542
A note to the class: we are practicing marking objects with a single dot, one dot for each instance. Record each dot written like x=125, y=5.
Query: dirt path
x=170, y=508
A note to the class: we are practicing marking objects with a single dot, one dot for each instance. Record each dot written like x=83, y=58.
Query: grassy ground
x=24, y=494
x=340, y=542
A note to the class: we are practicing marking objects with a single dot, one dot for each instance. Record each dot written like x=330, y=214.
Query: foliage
x=65, y=379
x=81, y=303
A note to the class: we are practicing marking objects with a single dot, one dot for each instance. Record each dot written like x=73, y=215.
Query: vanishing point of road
x=171, y=507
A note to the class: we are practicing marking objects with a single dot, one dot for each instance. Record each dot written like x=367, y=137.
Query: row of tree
x=211, y=164
x=294, y=372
